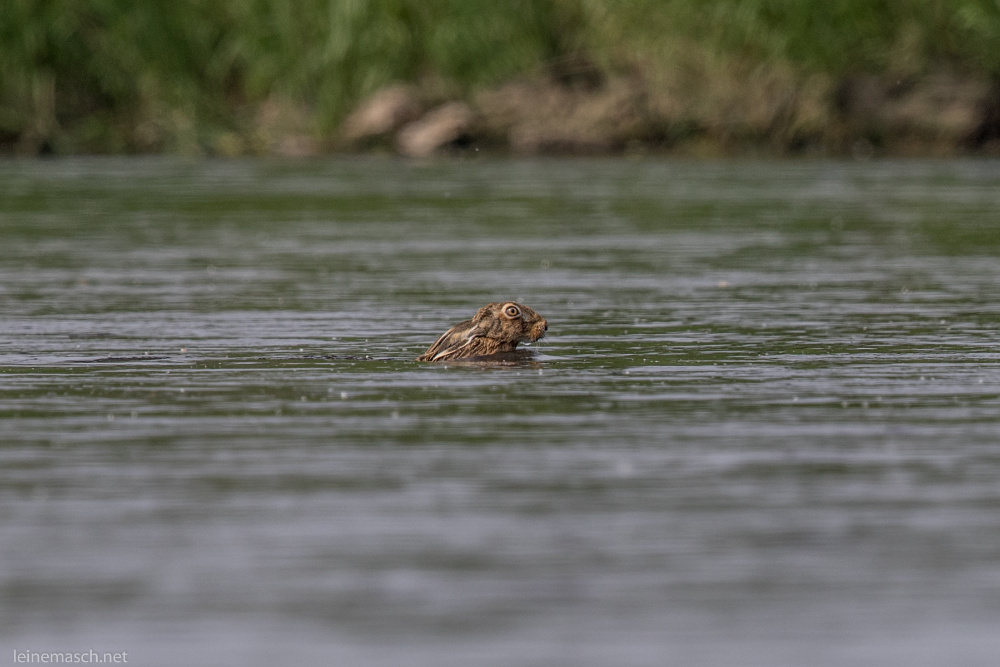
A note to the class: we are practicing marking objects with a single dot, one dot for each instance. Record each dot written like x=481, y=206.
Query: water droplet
x=623, y=469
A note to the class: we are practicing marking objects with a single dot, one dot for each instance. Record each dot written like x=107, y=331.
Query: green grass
x=848, y=35
x=175, y=75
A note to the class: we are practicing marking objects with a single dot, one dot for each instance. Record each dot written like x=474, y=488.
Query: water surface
x=764, y=428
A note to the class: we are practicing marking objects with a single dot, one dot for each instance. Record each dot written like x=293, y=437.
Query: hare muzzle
x=538, y=330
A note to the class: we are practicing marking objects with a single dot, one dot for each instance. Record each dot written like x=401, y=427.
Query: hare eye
x=512, y=311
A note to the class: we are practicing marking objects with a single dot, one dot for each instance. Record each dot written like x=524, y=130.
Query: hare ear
x=452, y=342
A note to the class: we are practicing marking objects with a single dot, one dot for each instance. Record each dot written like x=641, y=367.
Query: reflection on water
x=762, y=428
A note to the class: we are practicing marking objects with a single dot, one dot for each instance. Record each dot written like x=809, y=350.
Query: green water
x=763, y=428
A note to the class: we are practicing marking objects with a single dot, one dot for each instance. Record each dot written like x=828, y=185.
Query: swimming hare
x=496, y=328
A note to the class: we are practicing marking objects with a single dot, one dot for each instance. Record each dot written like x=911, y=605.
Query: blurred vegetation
x=196, y=76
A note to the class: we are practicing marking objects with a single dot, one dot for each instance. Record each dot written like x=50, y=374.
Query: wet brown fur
x=495, y=329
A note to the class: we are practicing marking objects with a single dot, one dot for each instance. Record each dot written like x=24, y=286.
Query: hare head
x=496, y=328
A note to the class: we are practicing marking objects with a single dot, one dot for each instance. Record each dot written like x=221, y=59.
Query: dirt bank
x=580, y=111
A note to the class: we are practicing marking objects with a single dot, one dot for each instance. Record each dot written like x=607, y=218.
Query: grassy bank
x=242, y=76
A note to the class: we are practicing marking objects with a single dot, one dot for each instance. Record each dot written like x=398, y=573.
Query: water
x=764, y=428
